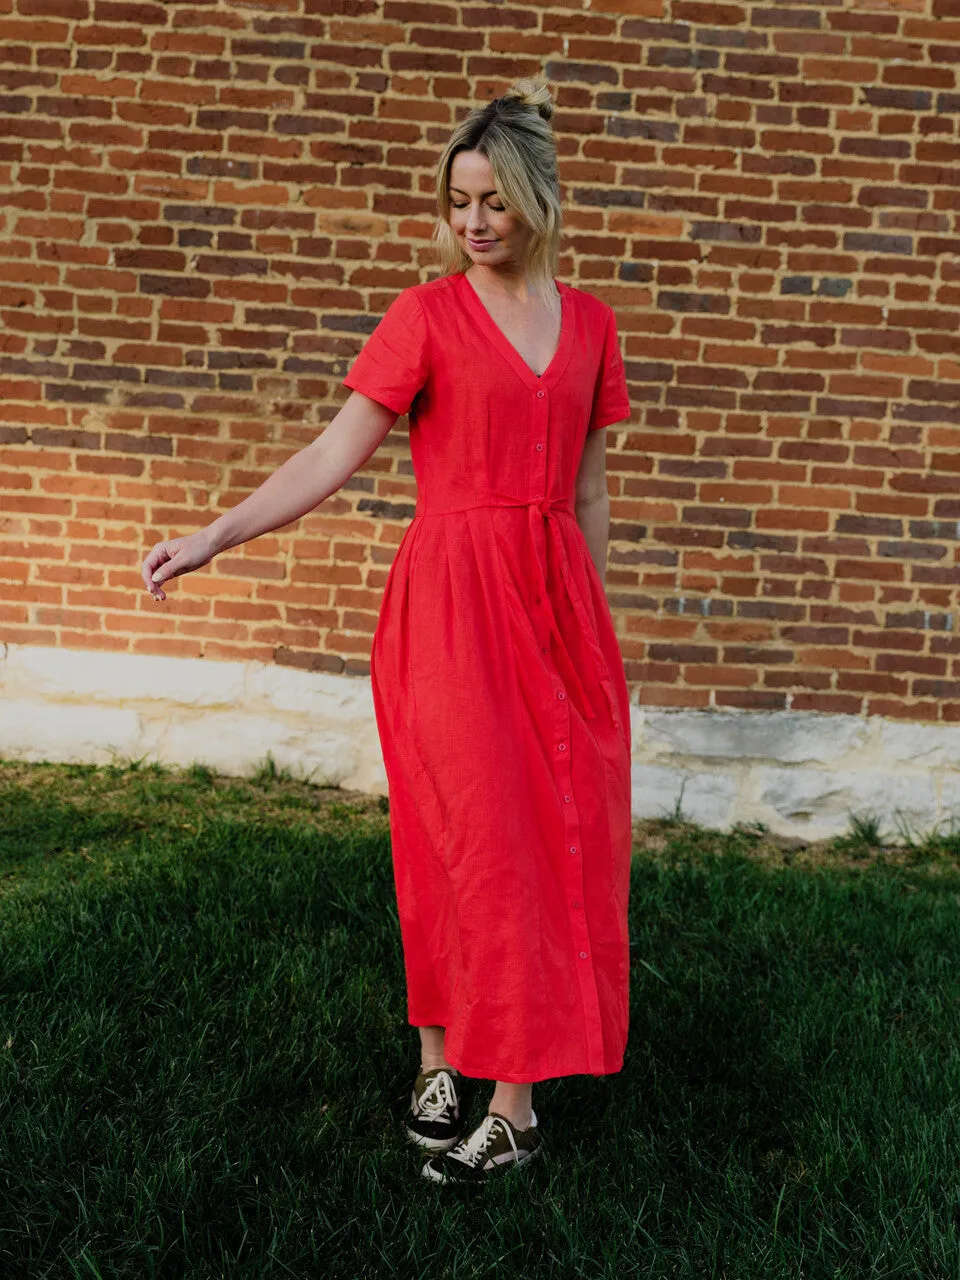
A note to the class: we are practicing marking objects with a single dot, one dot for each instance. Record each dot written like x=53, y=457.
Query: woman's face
x=490, y=234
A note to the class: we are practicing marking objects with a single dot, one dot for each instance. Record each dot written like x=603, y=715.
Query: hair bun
x=531, y=92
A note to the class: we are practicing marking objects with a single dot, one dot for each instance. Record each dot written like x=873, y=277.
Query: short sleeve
x=611, y=401
x=395, y=359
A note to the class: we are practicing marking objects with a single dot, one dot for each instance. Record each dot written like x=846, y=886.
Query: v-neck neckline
x=510, y=352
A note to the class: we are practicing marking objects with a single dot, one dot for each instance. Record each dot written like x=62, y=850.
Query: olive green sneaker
x=438, y=1108
x=493, y=1148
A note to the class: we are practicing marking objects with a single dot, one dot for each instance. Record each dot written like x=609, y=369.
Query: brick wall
x=207, y=210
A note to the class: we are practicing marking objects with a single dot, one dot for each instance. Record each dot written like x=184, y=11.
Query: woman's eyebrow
x=466, y=193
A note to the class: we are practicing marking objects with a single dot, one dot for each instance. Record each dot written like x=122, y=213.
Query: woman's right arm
x=296, y=487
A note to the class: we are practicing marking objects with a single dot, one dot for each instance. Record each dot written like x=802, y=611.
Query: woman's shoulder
x=425, y=297
x=438, y=283
x=429, y=290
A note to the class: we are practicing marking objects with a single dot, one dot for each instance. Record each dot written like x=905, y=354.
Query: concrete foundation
x=799, y=773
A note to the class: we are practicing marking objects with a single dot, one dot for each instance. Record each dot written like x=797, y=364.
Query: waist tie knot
x=539, y=512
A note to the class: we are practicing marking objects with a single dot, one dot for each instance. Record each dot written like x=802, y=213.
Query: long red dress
x=499, y=690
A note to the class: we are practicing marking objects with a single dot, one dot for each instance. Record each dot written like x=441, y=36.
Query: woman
x=498, y=684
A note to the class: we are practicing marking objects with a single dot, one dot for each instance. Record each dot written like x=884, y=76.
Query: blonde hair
x=515, y=134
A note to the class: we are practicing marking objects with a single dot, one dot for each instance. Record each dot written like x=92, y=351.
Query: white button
x=561, y=746
x=567, y=799
x=543, y=649
x=540, y=394
x=539, y=448
x=573, y=848
x=561, y=695
x=583, y=955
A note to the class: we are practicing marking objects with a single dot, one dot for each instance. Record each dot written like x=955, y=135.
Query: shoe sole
x=432, y=1144
x=433, y=1176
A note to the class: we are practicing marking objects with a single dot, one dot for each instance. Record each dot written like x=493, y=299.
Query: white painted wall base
x=799, y=773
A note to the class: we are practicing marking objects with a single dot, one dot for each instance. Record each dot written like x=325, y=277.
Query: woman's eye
x=497, y=208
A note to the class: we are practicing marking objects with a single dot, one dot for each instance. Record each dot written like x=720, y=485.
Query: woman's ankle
x=432, y=1065
x=515, y=1101
x=432, y=1048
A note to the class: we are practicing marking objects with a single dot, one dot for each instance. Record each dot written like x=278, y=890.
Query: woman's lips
x=480, y=244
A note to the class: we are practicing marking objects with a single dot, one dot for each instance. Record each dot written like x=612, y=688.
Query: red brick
x=708, y=14
x=917, y=711
x=845, y=70
x=826, y=702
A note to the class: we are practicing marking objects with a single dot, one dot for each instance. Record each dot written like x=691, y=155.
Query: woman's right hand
x=171, y=559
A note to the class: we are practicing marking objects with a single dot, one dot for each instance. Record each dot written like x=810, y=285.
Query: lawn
x=205, y=1060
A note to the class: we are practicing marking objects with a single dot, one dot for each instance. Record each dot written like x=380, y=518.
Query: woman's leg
x=510, y=1100
x=513, y=1101
x=431, y=1048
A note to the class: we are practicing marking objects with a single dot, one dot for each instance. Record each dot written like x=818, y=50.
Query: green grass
x=204, y=1054
x=864, y=832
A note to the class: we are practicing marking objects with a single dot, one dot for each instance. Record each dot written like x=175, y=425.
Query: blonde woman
x=499, y=689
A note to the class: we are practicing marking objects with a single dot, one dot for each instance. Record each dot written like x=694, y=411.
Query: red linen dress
x=500, y=695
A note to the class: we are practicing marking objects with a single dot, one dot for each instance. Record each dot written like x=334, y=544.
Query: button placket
x=574, y=877
x=540, y=415
x=578, y=925
x=570, y=847
x=539, y=469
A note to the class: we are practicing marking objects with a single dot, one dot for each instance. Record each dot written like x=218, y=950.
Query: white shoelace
x=437, y=1097
x=473, y=1149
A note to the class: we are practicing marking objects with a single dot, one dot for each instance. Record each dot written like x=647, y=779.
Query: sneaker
x=438, y=1107
x=493, y=1147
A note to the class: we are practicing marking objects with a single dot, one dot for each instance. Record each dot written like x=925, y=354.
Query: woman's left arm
x=593, y=500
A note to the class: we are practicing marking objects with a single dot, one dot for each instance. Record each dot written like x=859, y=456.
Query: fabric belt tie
x=539, y=510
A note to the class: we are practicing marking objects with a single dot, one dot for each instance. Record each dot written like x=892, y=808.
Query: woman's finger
x=170, y=559
x=168, y=569
x=158, y=555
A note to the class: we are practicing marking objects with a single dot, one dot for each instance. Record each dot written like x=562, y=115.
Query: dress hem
x=493, y=1073
x=509, y=1078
